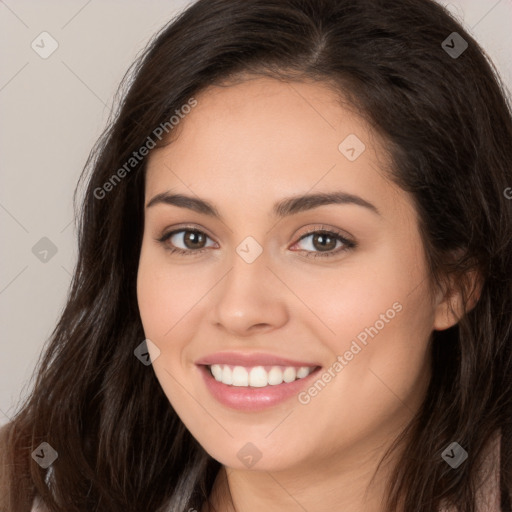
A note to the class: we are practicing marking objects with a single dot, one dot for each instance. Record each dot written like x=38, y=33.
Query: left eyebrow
x=288, y=206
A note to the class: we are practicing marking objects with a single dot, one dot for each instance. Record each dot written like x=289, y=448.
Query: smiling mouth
x=258, y=376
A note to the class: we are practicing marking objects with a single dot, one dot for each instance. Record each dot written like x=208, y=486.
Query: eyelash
x=349, y=244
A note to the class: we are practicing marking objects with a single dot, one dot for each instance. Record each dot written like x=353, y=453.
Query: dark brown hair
x=447, y=121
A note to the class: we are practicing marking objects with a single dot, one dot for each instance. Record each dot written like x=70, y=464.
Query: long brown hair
x=447, y=120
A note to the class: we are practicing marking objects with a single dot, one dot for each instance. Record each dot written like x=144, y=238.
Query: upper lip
x=249, y=360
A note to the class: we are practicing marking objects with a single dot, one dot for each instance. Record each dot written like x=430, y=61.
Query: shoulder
x=5, y=432
x=488, y=493
x=37, y=506
x=4, y=436
x=488, y=488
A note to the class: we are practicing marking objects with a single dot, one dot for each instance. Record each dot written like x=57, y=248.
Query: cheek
x=363, y=290
x=166, y=298
x=374, y=313
x=153, y=295
x=383, y=370
x=167, y=295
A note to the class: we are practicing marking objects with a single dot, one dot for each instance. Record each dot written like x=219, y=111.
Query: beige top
x=488, y=494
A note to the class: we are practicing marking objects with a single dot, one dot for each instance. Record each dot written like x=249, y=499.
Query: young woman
x=293, y=289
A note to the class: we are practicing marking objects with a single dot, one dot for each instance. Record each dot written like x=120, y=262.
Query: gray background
x=52, y=111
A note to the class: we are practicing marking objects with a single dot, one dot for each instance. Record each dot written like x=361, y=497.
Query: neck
x=345, y=481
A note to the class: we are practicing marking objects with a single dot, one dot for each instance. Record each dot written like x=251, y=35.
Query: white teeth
x=240, y=376
x=289, y=374
x=257, y=376
x=302, y=372
x=275, y=376
x=217, y=372
x=227, y=375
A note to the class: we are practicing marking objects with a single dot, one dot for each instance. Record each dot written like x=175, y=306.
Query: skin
x=242, y=148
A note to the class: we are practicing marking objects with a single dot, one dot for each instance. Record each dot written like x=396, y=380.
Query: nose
x=250, y=299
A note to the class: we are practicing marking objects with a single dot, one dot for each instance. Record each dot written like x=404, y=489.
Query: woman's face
x=251, y=285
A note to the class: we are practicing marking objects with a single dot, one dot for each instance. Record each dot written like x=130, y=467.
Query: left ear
x=450, y=301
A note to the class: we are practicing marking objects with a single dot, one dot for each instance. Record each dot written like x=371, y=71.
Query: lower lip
x=251, y=398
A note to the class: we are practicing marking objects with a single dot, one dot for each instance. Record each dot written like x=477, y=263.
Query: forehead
x=268, y=138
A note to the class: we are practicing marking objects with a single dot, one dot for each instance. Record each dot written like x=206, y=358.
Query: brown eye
x=324, y=244
x=194, y=239
x=322, y=241
x=191, y=240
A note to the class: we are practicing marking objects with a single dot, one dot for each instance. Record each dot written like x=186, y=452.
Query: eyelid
x=186, y=227
x=327, y=229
